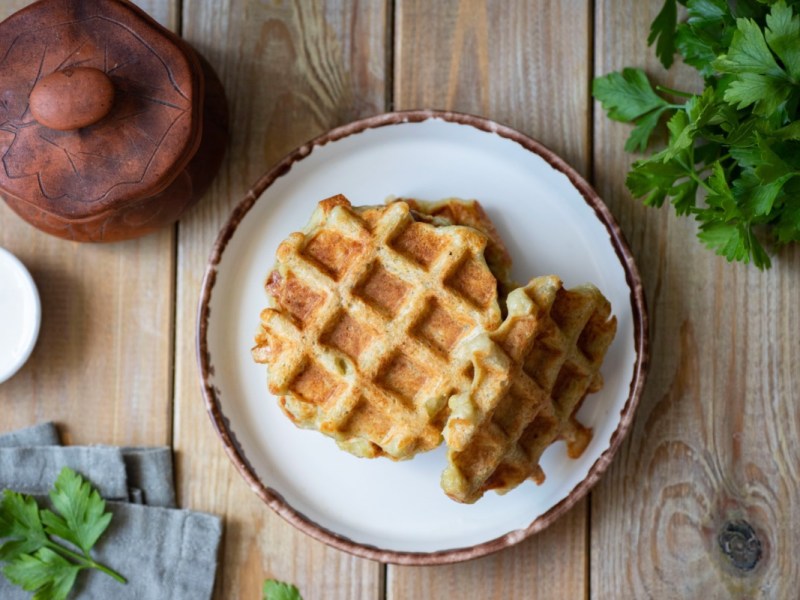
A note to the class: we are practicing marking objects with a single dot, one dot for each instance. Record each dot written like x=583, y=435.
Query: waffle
x=530, y=377
x=470, y=213
x=370, y=309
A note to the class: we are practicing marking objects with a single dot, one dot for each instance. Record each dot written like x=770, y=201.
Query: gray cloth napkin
x=44, y=434
x=33, y=469
x=140, y=475
x=164, y=553
x=149, y=472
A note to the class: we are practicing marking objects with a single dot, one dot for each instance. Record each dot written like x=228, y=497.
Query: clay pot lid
x=135, y=143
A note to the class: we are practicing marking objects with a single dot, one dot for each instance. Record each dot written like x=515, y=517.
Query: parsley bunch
x=36, y=561
x=733, y=156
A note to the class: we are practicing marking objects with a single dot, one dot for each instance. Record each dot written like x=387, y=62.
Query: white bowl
x=20, y=314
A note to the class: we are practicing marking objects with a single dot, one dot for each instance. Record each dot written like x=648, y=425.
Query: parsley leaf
x=653, y=180
x=82, y=519
x=782, y=34
x=704, y=12
x=706, y=32
x=760, y=81
x=756, y=197
x=37, y=562
x=726, y=239
x=788, y=228
x=278, y=590
x=662, y=32
x=766, y=92
x=790, y=132
x=720, y=196
x=48, y=574
x=20, y=522
x=628, y=96
x=748, y=52
x=640, y=135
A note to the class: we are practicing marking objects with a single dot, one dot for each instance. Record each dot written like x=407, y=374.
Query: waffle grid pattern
x=531, y=376
x=372, y=308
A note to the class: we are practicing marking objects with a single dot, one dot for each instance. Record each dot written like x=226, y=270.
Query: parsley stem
x=701, y=182
x=110, y=572
x=85, y=561
x=666, y=90
x=694, y=176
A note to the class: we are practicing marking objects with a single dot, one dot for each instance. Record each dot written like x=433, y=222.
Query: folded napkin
x=33, y=469
x=164, y=553
x=44, y=434
x=149, y=472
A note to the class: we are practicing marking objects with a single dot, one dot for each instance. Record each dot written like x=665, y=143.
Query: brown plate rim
x=271, y=497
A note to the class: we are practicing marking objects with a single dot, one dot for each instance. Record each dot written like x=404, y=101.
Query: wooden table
x=714, y=444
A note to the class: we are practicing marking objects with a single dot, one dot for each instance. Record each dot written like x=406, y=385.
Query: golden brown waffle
x=530, y=377
x=470, y=213
x=370, y=309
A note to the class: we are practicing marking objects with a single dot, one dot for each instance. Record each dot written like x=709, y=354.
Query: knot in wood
x=740, y=544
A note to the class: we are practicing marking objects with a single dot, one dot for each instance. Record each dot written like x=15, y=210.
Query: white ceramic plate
x=551, y=221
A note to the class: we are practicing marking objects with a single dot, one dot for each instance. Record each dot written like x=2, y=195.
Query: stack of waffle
x=385, y=332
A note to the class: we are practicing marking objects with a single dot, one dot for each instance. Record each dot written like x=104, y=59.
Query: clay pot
x=111, y=126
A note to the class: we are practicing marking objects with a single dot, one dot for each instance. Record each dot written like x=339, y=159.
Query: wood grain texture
x=526, y=64
x=523, y=63
x=291, y=71
x=518, y=572
x=102, y=365
x=714, y=440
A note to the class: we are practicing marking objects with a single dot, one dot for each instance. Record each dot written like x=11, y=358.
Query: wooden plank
x=102, y=365
x=714, y=440
x=526, y=64
x=518, y=572
x=291, y=70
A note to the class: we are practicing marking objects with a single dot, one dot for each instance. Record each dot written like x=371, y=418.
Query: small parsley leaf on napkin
x=82, y=519
x=278, y=590
x=36, y=561
x=19, y=520
x=45, y=572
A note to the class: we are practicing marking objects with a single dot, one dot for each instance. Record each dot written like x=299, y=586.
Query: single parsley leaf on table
x=278, y=590
x=34, y=559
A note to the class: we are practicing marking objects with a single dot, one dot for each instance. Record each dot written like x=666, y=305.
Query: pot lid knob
x=72, y=98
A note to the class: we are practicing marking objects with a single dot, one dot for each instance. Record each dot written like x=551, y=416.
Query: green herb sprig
x=278, y=590
x=733, y=154
x=34, y=559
